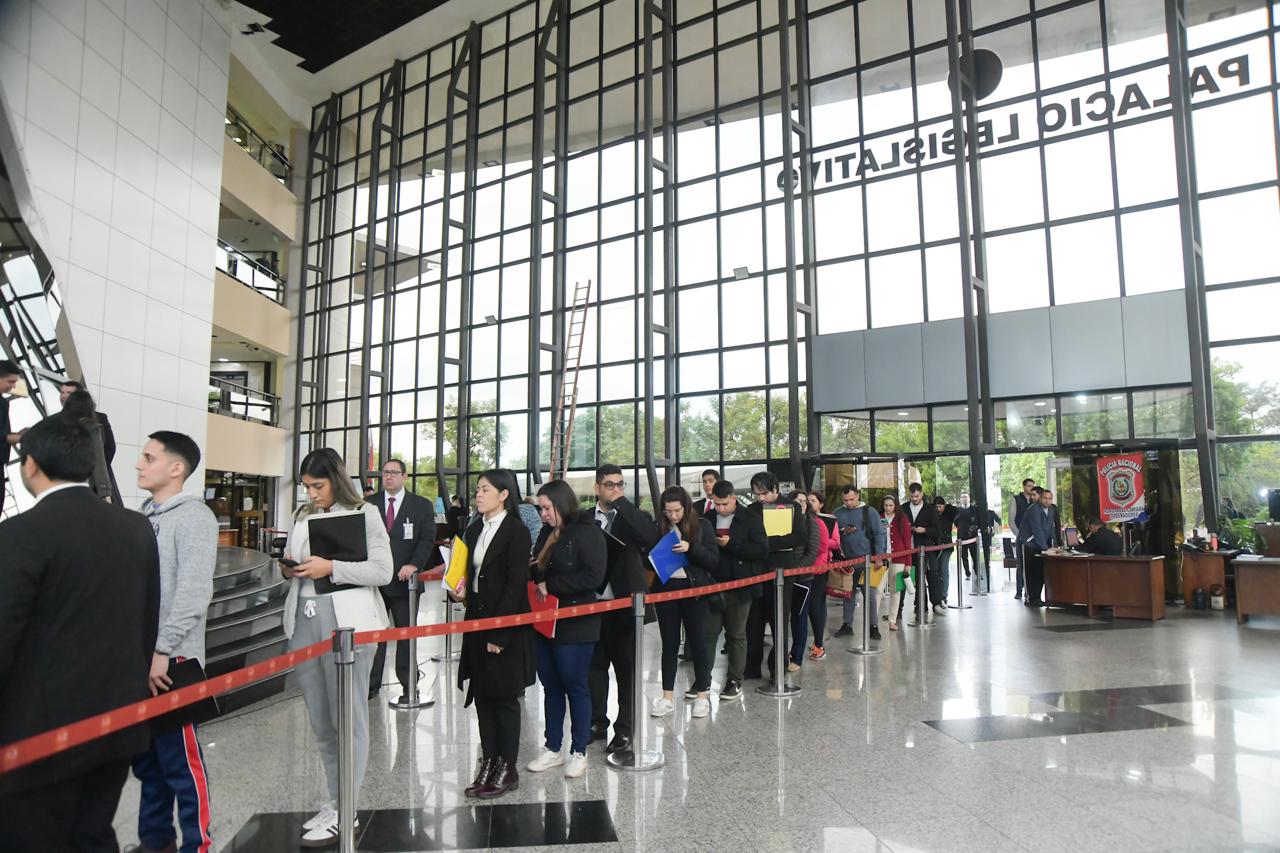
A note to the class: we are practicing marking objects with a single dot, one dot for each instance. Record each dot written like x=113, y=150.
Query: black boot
x=483, y=771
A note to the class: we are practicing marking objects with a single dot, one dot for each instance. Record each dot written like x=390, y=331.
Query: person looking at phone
x=311, y=616
x=861, y=535
x=743, y=548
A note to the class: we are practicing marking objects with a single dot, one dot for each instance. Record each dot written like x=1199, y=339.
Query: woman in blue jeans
x=569, y=563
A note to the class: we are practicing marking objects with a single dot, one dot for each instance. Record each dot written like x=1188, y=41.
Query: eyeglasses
x=613, y=484
x=392, y=473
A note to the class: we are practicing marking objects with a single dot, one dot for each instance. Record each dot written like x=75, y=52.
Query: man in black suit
x=924, y=531
x=9, y=376
x=705, y=505
x=1102, y=540
x=631, y=534
x=411, y=523
x=79, y=606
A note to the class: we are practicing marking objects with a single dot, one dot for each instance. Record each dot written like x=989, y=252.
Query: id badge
x=408, y=530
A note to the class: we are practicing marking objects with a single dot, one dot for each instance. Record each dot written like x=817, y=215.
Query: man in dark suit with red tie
x=79, y=612
x=411, y=523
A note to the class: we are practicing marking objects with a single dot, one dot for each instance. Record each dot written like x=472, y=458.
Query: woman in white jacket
x=311, y=616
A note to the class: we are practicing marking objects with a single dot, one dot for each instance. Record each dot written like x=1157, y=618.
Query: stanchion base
x=456, y=656
x=959, y=606
x=401, y=705
x=921, y=625
x=867, y=652
x=788, y=691
x=631, y=760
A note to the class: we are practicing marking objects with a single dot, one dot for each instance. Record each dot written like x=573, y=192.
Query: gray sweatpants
x=850, y=602
x=318, y=679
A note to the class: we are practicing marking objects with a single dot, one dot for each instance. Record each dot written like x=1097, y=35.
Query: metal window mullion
x=807, y=319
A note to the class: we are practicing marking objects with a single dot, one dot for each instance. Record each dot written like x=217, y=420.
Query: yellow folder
x=877, y=571
x=777, y=521
x=455, y=577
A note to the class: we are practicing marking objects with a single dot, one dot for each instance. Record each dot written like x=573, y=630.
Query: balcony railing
x=249, y=272
x=237, y=401
x=269, y=154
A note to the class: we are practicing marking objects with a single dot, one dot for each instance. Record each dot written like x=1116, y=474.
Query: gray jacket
x=187, y=537
x=869, y=538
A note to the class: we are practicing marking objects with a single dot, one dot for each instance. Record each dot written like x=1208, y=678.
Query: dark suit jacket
x=705, y=508
x=405, y=552
x=503, y=591
x=638, y=533
x=79, y=606
x=575, y=569
x=928, y=519
x=1104, y=543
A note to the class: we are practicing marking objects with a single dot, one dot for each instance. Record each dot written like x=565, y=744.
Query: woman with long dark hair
x=697, y=541
x=569, y=562
x=497, y=664
x=312, y=613
x=897, y=535
x=80, y=407
x=815, y=606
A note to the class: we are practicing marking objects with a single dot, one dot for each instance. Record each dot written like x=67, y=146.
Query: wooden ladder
x=567, y=403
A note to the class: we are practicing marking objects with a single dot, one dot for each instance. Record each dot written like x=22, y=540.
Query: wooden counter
x=1204, y=569
x=1133, y=587
x=1257, y=586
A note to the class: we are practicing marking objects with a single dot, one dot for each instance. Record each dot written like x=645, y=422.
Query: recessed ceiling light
x=220, y=358
x=1117, y=396
x=903, y=414
x=1041, y=403
x=1081, y=398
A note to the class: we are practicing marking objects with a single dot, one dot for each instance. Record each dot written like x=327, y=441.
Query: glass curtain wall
x=1080, y=205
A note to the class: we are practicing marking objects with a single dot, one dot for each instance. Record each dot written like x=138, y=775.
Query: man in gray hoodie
x=187, y=537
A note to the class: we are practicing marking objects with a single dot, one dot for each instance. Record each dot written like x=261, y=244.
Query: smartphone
x=287, y=563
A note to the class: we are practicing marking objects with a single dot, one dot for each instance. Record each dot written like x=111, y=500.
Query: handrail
x=247, y=271
x=269, y=155
x=239, y=401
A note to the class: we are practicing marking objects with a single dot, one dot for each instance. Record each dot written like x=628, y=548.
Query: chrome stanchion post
x=866, y=649
x=637, y=758
x=959, y=605
x=922, y=598
x=410, y=700
x=344, y=651
x=780, y=689
x=449, y=654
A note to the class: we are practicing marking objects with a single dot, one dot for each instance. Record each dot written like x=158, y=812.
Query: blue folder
x=665, y=561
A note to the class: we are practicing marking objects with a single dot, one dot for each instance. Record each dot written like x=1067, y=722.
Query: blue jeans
x=563, y=669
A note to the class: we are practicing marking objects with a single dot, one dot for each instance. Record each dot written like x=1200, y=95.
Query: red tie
x=391, y=513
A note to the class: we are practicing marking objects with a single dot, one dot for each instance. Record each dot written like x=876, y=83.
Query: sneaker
x=701, y=707
x=576, y=766
x=691, y=694
x=322, y=815
x=661, y=707
x=845, y=630
x=875, y=632
x=324, y=833
x=817, y=653
x=545, y=761
x=732, y=692
x=793, y=667
x=940, y=609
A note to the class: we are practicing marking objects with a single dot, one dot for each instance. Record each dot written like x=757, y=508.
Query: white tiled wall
x=117, y=107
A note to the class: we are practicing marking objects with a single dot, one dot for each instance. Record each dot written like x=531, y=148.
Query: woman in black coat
x=497, y=664
x=570, y=564
x=697, y=541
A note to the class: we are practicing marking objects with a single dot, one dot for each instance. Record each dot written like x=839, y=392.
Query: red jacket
x=828, y=541
x=900, y=535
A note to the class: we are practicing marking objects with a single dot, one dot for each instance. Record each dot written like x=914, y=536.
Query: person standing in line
x=697, y=541
x=635, y=533
x=1018, y=507
x=65, y=390
x=705, y=506
x=527, y=510
x=311, y=616
x=79, y=609
x=743, y=548
x=173, y=769
x=410, y=523
x=812, y=610
x=1038, y=532
x=924, y=532
x=861, y=535
x=898, y=538
x=457, y=515
x=946, y=536
x=969, y=525
x=571, y=564
x=79, y=406
x=9, y=376
x=496, y=665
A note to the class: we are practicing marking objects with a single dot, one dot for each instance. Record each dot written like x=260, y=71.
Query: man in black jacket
x=411, y=524
x=705, y=505
x=9, y=376
x=743, y=551
x=79, y=606
x=631, y=533
x=924, y=531
x=786, y=550
x=1102, y=540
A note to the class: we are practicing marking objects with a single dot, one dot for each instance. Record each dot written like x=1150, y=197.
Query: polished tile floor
x=984, y=733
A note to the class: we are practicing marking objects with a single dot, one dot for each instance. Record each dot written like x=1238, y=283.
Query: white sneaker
x=545, y=761
x=321, y=816
x=324, y=831
x=940, y=609
x=661, y=707
x=701, y=707
x=576, y=766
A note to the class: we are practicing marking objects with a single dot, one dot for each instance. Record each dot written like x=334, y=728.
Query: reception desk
x=1133, y=587
x=1257, y=586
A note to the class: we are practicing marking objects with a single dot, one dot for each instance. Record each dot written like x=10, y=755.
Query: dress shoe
x=502, y=778
x=598, y=732
x=620, y=743
x=483, y=771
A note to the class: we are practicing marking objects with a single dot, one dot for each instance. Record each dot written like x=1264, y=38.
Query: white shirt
x=602, y=519
x=482, y=545
x=915, y=510
x=60, y=488
x=399, y=502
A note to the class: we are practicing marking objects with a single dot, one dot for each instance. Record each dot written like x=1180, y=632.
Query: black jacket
x=797, y=548
x=1104, y=543
x=503, y=591
x=967, y=525
x=575, y=569
x=946, y=523
x=417, y=551
x=637, y=532
x=928, y=519
x=703, y=556
x=745, y=553
x=79, y=606
x=706, y=508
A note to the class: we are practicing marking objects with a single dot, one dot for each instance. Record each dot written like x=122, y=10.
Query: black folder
x=184, y=674
x=337, y=537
